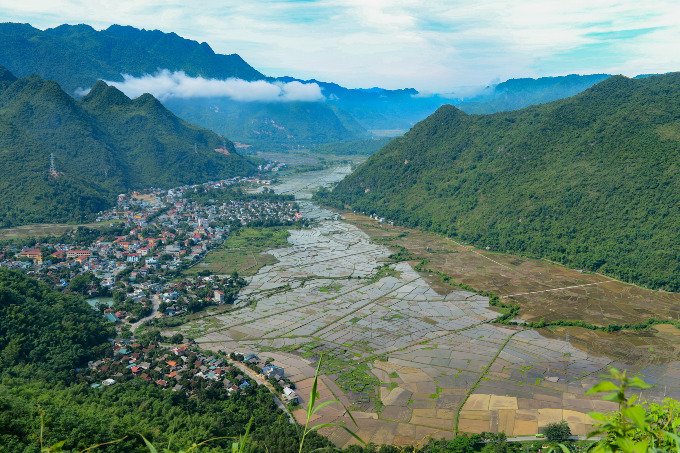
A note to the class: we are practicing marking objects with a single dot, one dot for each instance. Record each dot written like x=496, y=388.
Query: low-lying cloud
x=166, y=84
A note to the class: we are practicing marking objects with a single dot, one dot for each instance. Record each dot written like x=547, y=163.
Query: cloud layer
x=432, y=45
x=165, y=85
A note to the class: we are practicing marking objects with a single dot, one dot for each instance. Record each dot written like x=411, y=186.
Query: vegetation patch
x=351, y=375
x=382, y=272
x=242, y=252
x=332, y=288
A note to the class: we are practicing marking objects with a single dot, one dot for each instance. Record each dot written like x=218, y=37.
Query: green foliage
x=557, y=431
x=313, y=407
x=636, y=426
x=82, y=416
x=271, y=126
x=590, y=181
x=103, y=145
x=44, y=331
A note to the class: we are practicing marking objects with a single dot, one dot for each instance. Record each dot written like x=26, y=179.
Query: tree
x=557, y=432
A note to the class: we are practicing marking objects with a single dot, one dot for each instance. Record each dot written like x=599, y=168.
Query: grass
x=332, y=288
x=382, y=272
x=349, y=374
x=242, y=252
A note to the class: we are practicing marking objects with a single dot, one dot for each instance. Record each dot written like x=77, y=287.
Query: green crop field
x=242, y=252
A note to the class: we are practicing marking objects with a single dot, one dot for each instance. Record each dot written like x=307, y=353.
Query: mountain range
x=76, y=56
x=101, y=146
x=590, y=181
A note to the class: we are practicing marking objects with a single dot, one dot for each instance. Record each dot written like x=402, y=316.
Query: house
x=251, y=358
x=289, y=395
x=107, y=382
x=111, y=317
x=132, y=258
x=273, y=372
x=78, y=254
x=34, y=254
x=162, y=383
x=219, y=297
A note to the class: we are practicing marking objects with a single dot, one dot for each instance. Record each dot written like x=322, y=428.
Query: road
x=156, y=302
x=534, y=438
x=262, y=381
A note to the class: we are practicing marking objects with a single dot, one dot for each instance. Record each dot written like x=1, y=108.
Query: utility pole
x=53, y=167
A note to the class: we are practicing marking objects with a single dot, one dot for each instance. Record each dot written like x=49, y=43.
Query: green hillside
x=270, y=126
x=103, y=145
x=77, y=56
x=591, y=181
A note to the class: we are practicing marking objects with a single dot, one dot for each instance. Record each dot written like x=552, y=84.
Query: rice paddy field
x=414, y=356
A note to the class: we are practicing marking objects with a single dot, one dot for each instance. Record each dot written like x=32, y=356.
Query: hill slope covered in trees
x=591, y=181
x=77, y=56
x=103, y=145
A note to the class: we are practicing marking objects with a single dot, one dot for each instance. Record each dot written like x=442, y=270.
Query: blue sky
x=434, y=46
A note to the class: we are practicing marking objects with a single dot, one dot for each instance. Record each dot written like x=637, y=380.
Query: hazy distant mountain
x=382, y=109
x=103, y=145
x=592, y=180
x=515, y=94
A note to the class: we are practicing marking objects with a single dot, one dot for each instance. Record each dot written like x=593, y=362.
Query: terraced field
x=412, y=357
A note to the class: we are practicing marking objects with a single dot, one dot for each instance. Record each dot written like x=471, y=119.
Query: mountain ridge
x=102, y=145
x=590, y=181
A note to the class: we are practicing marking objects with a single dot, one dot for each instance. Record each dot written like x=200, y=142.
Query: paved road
x=262, y=381
x=156, y=301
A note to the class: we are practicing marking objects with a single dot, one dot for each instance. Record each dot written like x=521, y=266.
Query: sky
x=433, y=46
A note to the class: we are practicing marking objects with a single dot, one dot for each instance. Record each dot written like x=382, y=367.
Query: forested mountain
x=592, y=181
x=77, y=56
x=46, y=331
x=103, y=145
x=271, y=126
x=381, y=109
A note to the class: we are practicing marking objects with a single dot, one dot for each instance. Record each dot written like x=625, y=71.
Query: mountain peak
x=104, y=95
x=6, y=76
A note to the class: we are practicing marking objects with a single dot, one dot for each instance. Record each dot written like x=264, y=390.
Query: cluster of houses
x=160, y=233
x=192, y=294
x=183, y=368
x=273, y=373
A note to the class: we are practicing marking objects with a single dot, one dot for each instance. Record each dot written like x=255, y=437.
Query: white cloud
x=165, y=84
x=432, y=45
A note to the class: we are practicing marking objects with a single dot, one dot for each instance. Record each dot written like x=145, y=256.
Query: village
x=132, y=268
x=186, y=368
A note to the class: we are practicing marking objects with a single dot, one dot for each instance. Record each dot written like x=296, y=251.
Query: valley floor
x=414, y=358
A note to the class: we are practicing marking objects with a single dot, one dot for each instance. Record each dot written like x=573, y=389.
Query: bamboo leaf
x=604, y=386
x=149, y=445
x=353, y=434
x=324, y=404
